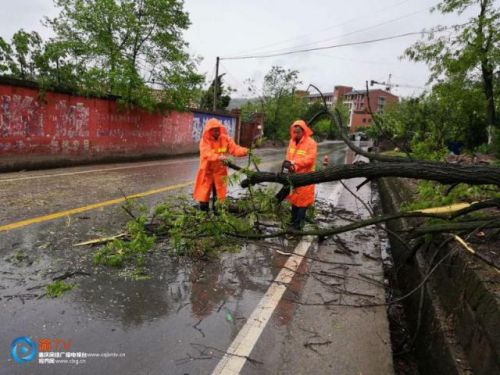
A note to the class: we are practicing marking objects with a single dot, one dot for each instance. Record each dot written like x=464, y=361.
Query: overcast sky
x=228, y=28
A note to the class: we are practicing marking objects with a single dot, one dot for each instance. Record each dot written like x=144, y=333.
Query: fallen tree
x=260, y=216
x=389, y=166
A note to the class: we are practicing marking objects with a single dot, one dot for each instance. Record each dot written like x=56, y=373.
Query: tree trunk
x=487, y=70
x=441, y=172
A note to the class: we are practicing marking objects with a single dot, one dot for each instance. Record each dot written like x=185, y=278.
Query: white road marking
x=98, y=170
x=243, y=344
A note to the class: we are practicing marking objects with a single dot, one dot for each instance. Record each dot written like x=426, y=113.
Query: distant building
x=357, y=103
x=331, y=98
x=316, y=98
x=359, y=108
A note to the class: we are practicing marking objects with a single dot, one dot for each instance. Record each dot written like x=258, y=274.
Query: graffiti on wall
x=71, y=121
x=20, y=116
x=176, y=129
x=73, y=125
x=118, y=125
x=200, y=119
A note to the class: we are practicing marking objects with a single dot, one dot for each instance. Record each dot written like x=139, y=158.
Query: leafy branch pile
x=183, y=229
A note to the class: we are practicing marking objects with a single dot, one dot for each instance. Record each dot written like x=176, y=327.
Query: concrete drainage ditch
x=453, y=322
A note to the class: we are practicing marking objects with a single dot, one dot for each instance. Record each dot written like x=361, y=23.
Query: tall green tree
x=28, y=57
x=471, y=51
x=222, y=96
x=277, y=101
x=121, y=47
x=452, y=111
x=19, y=58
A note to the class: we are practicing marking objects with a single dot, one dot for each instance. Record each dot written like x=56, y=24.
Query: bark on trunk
x=441, y=172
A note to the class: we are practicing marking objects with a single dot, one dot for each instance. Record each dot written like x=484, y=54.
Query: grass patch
x=432, y=194
x=394, y=153
x=58, y=288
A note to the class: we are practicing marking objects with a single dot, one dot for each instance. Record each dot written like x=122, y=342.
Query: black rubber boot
x=298, y=217
x=214, y=199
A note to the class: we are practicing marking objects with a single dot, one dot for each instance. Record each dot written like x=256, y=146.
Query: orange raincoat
x=212, y=170
x=303, y=155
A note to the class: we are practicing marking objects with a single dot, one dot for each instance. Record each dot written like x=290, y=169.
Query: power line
x=326, y=47
x=363, y=29
x=302, y=36
x=379, y=62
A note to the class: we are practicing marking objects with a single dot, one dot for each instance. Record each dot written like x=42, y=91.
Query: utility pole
x=388, y=85
x=216, y=82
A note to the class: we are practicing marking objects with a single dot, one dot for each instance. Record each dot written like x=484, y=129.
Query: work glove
x=288, y=165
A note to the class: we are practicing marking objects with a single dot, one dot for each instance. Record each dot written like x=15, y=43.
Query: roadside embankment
x=455, y=318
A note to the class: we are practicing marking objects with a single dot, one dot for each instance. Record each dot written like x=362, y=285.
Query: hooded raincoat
x=212, y=170
x=303, y=155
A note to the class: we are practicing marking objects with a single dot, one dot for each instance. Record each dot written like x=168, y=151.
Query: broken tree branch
x=421, y=170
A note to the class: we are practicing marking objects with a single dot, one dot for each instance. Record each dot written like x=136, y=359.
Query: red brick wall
x=340, y=91
x=357, y=121
x=82, y=128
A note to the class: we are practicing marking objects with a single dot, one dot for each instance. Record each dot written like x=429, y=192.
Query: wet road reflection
x=156, y=322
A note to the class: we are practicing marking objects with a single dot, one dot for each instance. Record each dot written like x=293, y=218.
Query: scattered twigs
x=190, y=358
x=21, y=297
x=101, y=240
x=343, y=246
x=310, y=345
x=69, y=274
x=371, y=257
x=374, y=281
x=470, y=250
x=335, y=302
x=367, y=180
x=372, y=214
x=127, y=201
x=195, y=326
x=365, y=205
x=204, y=348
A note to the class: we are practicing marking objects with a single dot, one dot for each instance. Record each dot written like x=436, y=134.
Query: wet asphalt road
x=177, y=322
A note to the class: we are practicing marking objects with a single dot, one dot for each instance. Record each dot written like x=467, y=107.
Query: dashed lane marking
x=57, y=215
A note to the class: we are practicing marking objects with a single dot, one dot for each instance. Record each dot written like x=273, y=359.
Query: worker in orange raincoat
x=300, y=158
x=215, y=145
